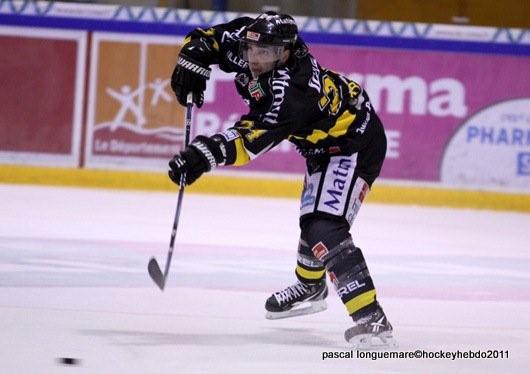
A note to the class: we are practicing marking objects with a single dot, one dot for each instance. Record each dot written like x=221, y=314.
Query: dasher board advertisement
x=134, y=120
x=41, y=95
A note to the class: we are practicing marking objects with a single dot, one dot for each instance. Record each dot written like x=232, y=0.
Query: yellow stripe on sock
x=308, y=274
x=360, y=301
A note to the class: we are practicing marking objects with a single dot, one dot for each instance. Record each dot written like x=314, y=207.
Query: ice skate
x=371, y=332
x=296, y=300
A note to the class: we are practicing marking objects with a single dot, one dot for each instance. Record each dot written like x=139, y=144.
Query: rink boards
x=458, y=124
x=229, y=184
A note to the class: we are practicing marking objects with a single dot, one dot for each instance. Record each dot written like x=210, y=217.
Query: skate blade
x=364, y=342
x=313, y=307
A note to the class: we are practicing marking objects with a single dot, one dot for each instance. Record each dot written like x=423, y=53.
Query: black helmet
x=273, y=29
x=264, y=42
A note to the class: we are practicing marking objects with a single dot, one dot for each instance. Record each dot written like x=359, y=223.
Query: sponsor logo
x=335, y=194
x=491, y=148
x=254, y=134
x=309, y=194
x=130, y=113
x=523, y=164
x=309, y=262
x=232, y=36
x=251, y=35
x=444, y=97
x=308, y=197
x=131, y=108
x=230, y=134
x=278, y=90
x=350, y=287
x=242, y=79
x=255, y=90
x=314, y=82
x=286, y=21
x=359, y=192
x=354, y=89
x=236, y=60
x=205, y=72
x=364, y=191
x=278, y=19
x=308, y=152
x=362, y=128
x=498, y=135
x=320, y=250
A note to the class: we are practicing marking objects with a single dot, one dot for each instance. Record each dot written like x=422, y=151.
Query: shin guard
x=348, y=271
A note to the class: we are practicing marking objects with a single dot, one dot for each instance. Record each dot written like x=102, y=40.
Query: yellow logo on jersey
x=354, y=89
x=254, y=134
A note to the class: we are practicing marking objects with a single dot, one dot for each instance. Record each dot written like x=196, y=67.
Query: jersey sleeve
x=247, y=140
x=221, y=40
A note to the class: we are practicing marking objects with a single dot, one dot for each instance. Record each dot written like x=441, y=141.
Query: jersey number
x=331, y=95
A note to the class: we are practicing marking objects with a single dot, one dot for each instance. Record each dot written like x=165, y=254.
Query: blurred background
x=509, y=13
x=449, y=78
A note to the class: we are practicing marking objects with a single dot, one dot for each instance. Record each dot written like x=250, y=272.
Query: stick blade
x=156, y=273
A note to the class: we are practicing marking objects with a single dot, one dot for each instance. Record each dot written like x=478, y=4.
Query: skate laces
x=296, y=290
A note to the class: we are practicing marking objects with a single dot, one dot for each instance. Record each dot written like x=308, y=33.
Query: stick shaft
x=187, y=125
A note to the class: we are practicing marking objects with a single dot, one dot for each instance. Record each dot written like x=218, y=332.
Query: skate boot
x=296, y=300
x=371, y=332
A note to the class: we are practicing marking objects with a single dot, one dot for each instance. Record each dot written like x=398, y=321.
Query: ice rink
x=74, y=283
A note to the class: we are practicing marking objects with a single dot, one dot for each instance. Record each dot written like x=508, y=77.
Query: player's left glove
x=202, y=155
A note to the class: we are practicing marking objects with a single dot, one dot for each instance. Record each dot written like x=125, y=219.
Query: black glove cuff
x=210, y=149
x=194, y=66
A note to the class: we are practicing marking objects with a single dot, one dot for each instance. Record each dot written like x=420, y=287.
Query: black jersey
x=317, y=109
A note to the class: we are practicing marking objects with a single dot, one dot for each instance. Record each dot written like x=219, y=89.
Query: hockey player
x=333, y=125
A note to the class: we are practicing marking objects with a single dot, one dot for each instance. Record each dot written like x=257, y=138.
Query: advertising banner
x=41, y=95
x=454, y=100
x=452, y=117
x=134, y=119
x=456, y=118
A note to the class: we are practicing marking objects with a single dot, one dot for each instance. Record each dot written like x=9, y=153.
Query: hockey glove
x=190, y=74
x=202, y=155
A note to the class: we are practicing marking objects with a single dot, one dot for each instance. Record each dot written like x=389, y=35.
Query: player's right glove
x=190, y=74
x=202, y=155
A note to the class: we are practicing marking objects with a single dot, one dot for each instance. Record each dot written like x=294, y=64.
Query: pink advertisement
x=451, y=118
x=426, y=100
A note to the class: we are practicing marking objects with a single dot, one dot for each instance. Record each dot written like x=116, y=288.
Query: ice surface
x=74, y=283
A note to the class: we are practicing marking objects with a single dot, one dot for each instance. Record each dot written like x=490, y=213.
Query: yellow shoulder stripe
x=317, y=135
x=340, y=128
x=342, y=124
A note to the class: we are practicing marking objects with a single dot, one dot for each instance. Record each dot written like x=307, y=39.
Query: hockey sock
x=309, y=269
x=348, y=271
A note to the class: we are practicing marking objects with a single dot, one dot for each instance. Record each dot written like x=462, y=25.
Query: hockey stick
x=154, y=269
